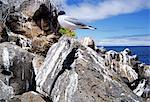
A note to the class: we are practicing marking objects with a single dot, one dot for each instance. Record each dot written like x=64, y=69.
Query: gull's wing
x=74, y=21
x=77, y=23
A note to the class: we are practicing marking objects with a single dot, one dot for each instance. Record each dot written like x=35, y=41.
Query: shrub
x=65, y=31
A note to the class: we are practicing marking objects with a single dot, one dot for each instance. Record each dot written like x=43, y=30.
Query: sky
x=118, y=22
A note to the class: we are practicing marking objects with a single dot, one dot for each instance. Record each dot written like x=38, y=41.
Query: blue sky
x=126, y=25
x=118, y=22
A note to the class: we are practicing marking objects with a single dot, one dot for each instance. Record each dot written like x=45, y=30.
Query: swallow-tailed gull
x=71, y=23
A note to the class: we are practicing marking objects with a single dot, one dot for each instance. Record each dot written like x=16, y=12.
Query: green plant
x=65, y=31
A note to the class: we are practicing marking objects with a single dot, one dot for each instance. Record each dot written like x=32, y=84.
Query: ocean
x=143, y=52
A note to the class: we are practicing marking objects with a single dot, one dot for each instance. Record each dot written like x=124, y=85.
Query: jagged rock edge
x=54, y=69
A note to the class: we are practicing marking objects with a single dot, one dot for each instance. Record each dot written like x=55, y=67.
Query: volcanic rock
x=16, y=68
x=75, y=73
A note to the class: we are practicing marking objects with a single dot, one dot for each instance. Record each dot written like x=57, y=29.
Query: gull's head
x=61, y=13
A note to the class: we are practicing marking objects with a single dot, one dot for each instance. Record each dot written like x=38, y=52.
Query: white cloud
x=104, y=9
x=126, y=41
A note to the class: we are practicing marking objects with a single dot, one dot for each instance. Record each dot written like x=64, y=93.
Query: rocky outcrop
x=126, y=65
x=72, y=72
x=41, y=45
x=87, y=41
x=31, y=97
x=29, y=20
x=16, y=68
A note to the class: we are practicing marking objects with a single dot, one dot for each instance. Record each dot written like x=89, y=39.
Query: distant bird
x=71, y=23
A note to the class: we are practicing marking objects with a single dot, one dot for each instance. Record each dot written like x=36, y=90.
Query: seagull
x=71, y=23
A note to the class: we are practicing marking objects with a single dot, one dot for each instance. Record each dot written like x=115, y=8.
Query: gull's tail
x=87, y=27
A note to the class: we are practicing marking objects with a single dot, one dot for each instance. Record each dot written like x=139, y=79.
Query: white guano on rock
x=5, y=57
